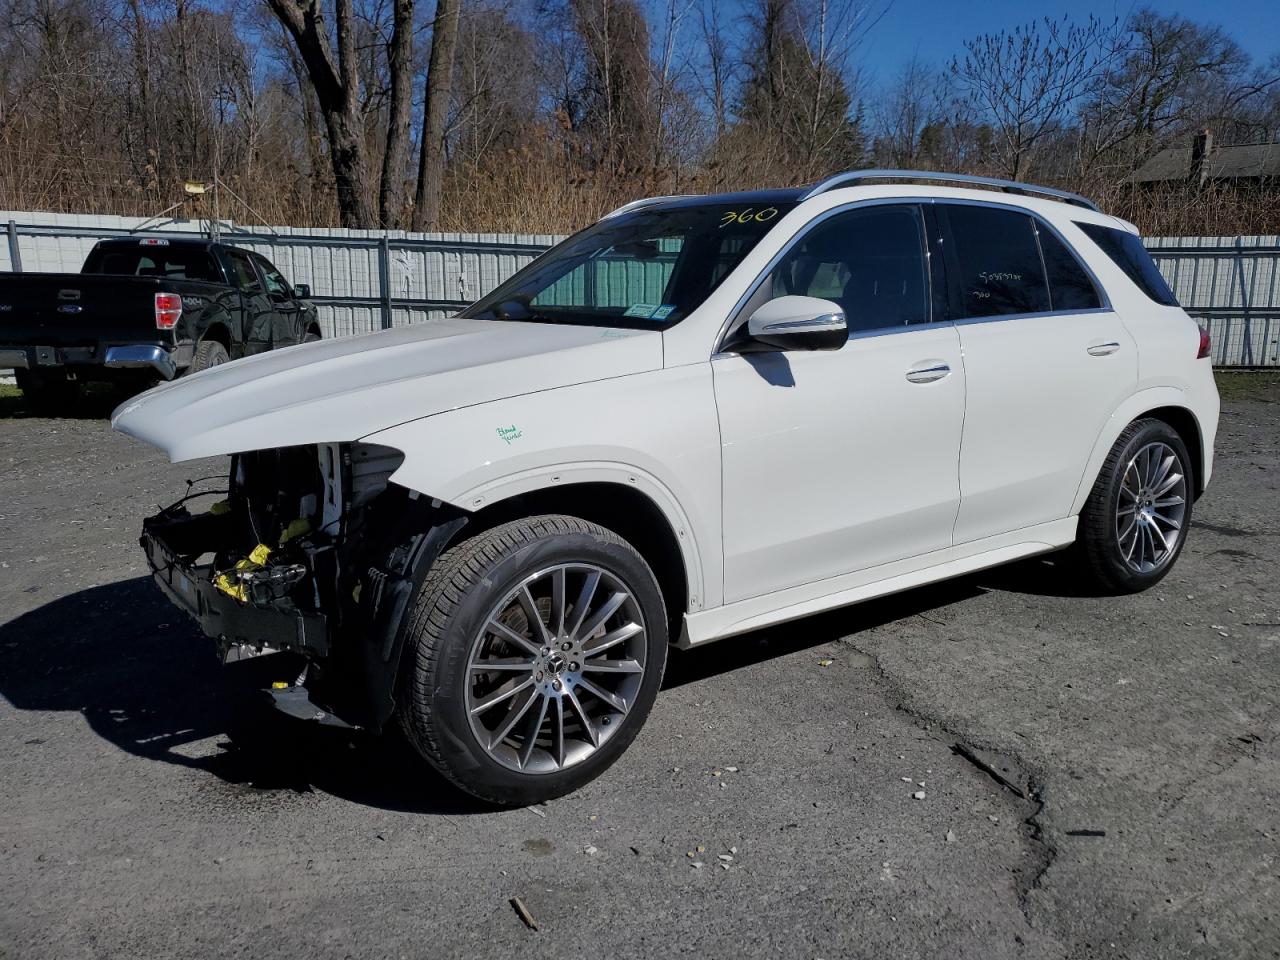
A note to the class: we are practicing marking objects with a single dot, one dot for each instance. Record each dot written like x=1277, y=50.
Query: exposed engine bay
x=310, y=550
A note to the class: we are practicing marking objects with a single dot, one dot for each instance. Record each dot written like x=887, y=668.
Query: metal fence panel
x=363, y=280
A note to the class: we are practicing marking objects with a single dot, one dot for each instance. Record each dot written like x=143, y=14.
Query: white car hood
x=333, y=391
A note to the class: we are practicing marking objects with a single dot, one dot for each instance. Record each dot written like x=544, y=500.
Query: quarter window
x=1131, y=256
x=869, y=260
x=995, y=268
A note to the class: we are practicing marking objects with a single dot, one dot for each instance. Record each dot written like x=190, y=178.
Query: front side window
x=995, y=267
x=1128, y=253
x=277, y=285
x=647, y=269
x=246, y=276
x=870, y=261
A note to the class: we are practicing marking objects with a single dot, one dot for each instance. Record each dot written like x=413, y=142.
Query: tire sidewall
x=447, y=686
x=1125, y=576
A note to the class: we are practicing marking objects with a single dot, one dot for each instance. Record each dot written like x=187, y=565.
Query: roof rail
x=645, y=202
x=855, y=177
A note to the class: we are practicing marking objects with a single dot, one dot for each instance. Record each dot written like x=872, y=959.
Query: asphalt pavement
x=998, y=766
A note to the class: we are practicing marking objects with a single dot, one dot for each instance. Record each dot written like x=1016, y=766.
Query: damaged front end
x=313, y=551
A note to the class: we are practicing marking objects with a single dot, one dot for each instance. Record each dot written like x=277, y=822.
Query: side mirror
x=302, y=290
x=799, y=323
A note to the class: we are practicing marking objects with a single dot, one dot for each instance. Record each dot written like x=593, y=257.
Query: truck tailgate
x=76, y=309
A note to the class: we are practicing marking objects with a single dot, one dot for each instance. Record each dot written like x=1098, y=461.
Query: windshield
x=648, y=269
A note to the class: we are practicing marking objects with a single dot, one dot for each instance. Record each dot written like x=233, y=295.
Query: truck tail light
x=168, y=310
x=1205, y=345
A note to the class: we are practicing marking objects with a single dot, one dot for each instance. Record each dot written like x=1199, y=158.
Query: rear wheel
x=209, y=353
x=47, y=392
x=536, y=651
x=1135, y=522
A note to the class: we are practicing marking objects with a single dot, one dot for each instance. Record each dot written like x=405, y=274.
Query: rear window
x=1127, y=252
x=171, y=263
x=1070, y=286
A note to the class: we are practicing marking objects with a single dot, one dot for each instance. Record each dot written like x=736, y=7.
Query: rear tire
x=1134, y=524
x=562, y=698
x=209, y=353
x=47, y=393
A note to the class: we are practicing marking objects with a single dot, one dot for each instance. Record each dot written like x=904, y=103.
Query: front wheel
x=536, y=650
x=1135, y=522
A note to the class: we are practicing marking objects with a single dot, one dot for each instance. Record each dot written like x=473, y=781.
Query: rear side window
x=1070, y=287
x=995, y=267
x=1128, y=253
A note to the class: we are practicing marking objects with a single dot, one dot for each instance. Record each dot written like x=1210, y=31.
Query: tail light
x=1205, y=345
x=168, y=310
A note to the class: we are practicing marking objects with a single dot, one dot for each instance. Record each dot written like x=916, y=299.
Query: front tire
x=1134, y=524
x=535, y=652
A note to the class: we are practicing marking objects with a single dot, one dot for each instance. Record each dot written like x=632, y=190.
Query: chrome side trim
x=857, y=177
x=137, y=356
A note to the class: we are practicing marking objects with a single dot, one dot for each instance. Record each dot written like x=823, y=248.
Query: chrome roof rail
x=645, y=202
x=857, y=177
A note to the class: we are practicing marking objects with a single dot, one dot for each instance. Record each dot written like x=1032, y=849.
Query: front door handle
x=1102, y=349
x=935, y=371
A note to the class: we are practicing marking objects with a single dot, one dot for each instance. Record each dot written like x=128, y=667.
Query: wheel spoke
x=497, y=697
x=612, y=666
x=583, y=603
x=531, y=735
x=1155, y=532
x=1137, y=535
x=597, y=619
x=513, y=717
x=1168, y=521
x=1168, y=484
x=530, y=608
x=557, y=600
x=600, y=693
x=1169, y=502
x=1124, y=534
x=557, y=731
x=502, y=630
x=587, y=726
x=509, y=665
x=612, y=639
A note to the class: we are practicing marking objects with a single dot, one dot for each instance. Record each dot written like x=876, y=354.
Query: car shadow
x=94, y=402
x=146, y=680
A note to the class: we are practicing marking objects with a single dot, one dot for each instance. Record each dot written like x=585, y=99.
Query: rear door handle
x=1102, y=349
x=935, y=371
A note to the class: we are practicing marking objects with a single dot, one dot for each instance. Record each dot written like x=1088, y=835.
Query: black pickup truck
x=143, y=308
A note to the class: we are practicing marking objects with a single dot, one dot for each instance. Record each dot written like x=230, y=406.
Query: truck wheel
x=1134, y=524
x=535, y=651
x=209, y=353
x=47, y=393
x=311, y=336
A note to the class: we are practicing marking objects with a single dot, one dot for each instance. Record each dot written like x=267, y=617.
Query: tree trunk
x=336, y=88
x=399, y=64
x=444, y=42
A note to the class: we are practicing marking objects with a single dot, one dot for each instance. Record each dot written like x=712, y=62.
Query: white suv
x=697, y=417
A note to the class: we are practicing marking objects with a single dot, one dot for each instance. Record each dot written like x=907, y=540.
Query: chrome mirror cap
x=799, y=323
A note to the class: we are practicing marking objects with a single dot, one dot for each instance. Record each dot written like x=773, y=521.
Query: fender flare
x=1152, y=398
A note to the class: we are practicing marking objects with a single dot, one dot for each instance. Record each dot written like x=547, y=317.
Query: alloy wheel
x=555, y=668
x=1151, y=507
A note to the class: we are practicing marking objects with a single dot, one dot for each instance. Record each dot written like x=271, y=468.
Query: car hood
x=332, y=391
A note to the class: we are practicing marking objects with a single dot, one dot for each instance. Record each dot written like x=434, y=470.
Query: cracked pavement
x=1099, y=774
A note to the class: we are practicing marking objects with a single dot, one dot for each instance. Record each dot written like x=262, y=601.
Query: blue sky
x=936, y=29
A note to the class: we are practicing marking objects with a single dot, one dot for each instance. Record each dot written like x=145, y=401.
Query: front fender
x=655, y=432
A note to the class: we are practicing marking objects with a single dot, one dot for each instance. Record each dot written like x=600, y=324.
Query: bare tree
x=391, y=194
x=333, y=73
x=1028, y=80
x=435, y=113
